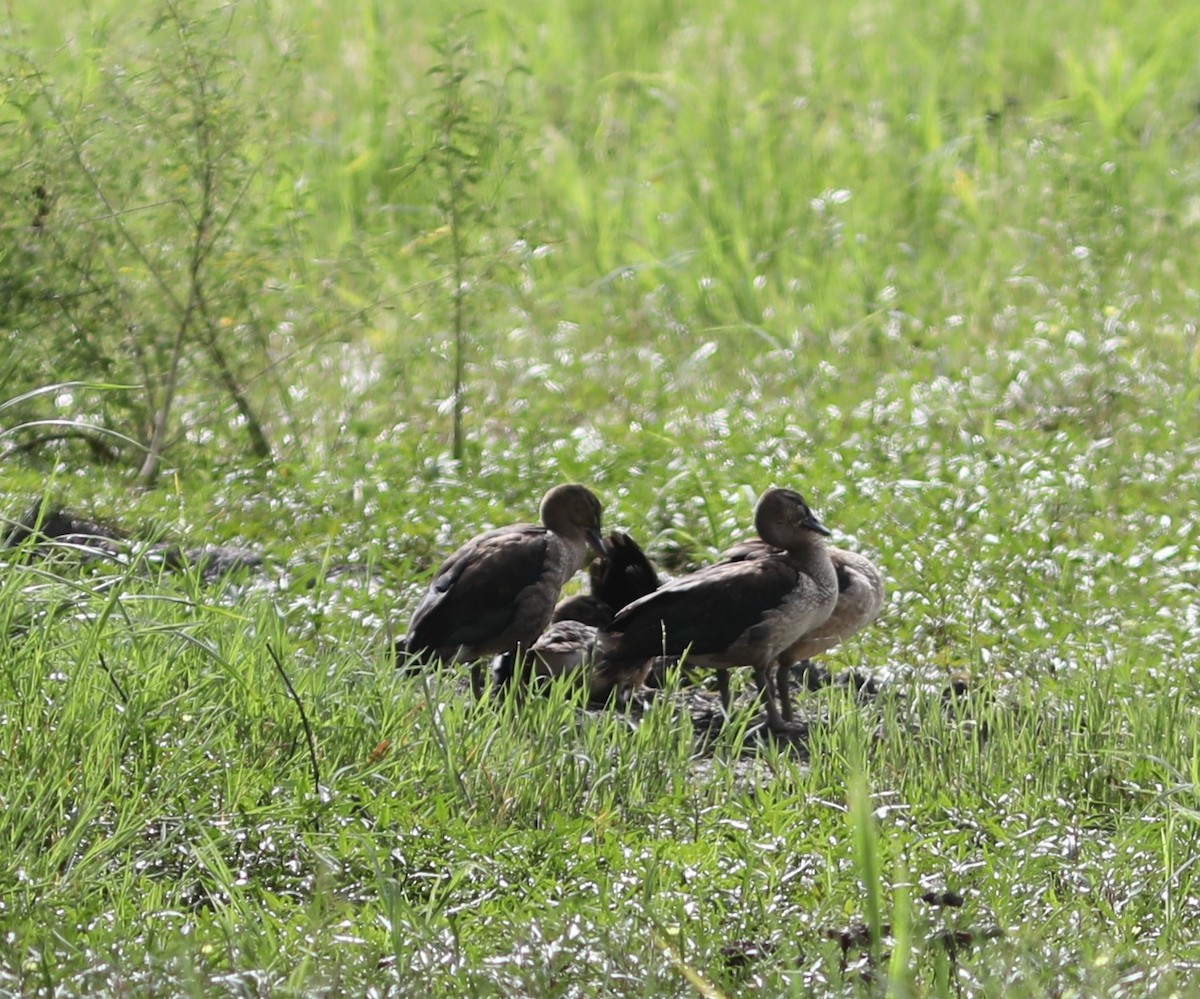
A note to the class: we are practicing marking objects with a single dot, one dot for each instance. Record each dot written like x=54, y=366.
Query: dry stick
x=259, y=443
x=312, y=745
x=150, y=467
x=100, y=451
x=82, y=318
x=258, y=436
x=112, y=676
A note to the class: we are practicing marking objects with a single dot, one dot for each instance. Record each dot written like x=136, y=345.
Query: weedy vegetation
x=344, y=284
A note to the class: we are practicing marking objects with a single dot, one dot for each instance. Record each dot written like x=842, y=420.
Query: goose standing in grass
x=615, y=579
x=860, y=599
x=738, y=613
x=496, y=594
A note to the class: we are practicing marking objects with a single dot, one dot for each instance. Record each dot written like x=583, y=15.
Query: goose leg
x=783, y=686
x=773, y=689
x=477, y=679
x=765, y=677
x=774, y=722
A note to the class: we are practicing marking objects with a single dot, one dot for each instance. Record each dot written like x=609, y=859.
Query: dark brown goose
x=737, y=613
x=496, y=594
x=618, y=578
x=860, y=599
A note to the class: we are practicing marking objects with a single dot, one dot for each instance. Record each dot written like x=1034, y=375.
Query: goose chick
x=496, y=594
x=861, y=593
x=618, y=578
x=735, y=613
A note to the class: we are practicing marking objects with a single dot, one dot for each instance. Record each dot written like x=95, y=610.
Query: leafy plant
x=471, y=134
x=132, y=196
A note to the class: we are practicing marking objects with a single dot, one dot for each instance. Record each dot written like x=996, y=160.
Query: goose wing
x=709, y=611
x=475, y=592
x=625, y=574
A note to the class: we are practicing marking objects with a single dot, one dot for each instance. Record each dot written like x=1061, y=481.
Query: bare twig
x=201, y=244
x=201, y=124
x=308, y=733
x=100, y=451
x=112, y=677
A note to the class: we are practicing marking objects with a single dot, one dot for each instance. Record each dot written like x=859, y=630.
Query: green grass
x=929, y=264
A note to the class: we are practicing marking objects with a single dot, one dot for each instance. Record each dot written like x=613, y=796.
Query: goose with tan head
x=496, y=594
x=735, y=613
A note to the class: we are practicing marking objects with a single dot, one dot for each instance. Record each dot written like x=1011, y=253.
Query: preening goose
x=735, y=613
x=496, y=594
x=618, y=578
x=860, y=598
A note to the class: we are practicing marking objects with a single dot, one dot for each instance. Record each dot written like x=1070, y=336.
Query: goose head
x=573, y=512
x=783, y=519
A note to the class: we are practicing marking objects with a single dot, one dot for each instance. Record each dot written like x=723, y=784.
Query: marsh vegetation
x=343, y=285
